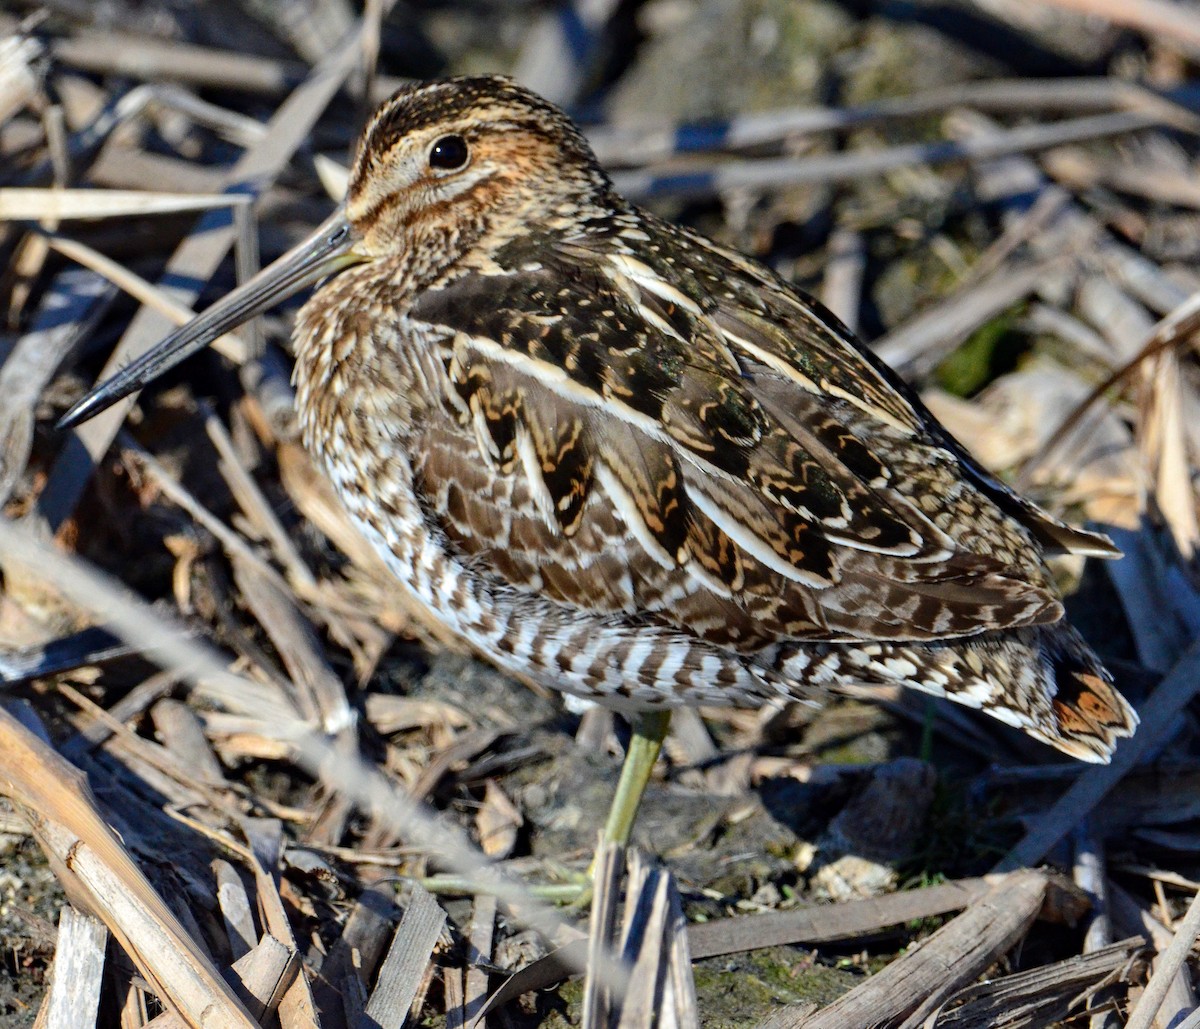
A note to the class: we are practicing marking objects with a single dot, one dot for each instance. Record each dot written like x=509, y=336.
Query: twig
x=1156, y=17
x=844, y=167
x=1172, y=960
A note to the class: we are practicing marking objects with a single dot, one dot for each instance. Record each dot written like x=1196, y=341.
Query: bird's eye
x=449, y=152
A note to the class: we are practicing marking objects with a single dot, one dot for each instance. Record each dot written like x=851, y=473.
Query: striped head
x=468, y=163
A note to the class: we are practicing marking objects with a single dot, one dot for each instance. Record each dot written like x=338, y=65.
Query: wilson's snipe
x=636, y=466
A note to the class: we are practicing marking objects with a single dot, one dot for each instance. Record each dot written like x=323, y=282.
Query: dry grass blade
x=1176, y=21
x=18, y=81
x=775, y=172
x=150, y=58
x=320, y=694
x=87, y=647
x=94, y=864
x=1013, y=179
x=268, y=974
x=70, y=204
x=1090, y=874
x=1171, y=331
x=145, y=57
x=1175, y=492
x=69, y=310
x=235, y=545
x=259, y=510
x=916, y=348
x=635, y=145
x=87, y=140
x=682, y=999
x=179, y=728
x=1163, y=183
x=229, y=345
x=841, y=288
x=1164, y=444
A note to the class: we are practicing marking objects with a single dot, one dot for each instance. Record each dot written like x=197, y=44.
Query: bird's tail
x=1045, y=680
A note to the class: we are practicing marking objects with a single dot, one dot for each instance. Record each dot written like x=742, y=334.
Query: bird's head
x=467, y=164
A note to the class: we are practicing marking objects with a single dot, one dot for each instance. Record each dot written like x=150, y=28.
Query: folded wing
x=681, y=436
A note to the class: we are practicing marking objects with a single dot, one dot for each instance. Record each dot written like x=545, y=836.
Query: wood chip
x=355, y=955
x=1040, y=996
x=497, y=821
x=406, y=961
x=235, y=909
x=73, y=997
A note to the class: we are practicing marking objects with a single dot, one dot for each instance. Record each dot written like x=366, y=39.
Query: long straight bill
x=328, y=250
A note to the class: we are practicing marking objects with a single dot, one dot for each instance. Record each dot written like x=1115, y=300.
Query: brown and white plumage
x=641, y=468
x=636, y=466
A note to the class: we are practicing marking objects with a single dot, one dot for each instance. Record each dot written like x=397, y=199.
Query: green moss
x=990, y=351
x=566, y=1014
x=741, y=989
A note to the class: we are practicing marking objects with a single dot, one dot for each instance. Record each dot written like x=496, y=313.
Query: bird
x=636, y=466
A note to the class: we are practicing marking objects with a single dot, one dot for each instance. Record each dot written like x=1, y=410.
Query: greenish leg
x=649, y=731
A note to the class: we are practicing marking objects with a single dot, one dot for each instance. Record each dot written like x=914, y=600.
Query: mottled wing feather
x=590, y=333
x=798, y=335
x=778, y=486
x=812, y=341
